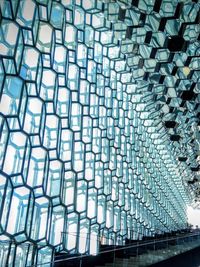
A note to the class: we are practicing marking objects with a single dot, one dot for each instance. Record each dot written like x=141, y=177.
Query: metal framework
x=98, y=123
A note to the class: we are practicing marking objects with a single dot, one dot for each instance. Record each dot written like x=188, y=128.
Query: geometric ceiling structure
x=165, y=40
x=99, y=123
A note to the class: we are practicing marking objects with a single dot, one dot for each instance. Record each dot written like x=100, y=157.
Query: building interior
x=99, y=125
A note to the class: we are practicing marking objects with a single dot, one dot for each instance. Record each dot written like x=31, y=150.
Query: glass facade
x=85, y=89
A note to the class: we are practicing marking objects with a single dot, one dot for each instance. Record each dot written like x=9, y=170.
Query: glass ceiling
x=99, y=123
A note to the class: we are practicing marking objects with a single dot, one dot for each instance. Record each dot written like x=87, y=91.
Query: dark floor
x=187, y=259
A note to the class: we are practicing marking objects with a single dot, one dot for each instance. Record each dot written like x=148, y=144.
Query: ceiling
x=160, y=42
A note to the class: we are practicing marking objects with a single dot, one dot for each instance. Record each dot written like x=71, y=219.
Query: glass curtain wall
x=82, y=159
